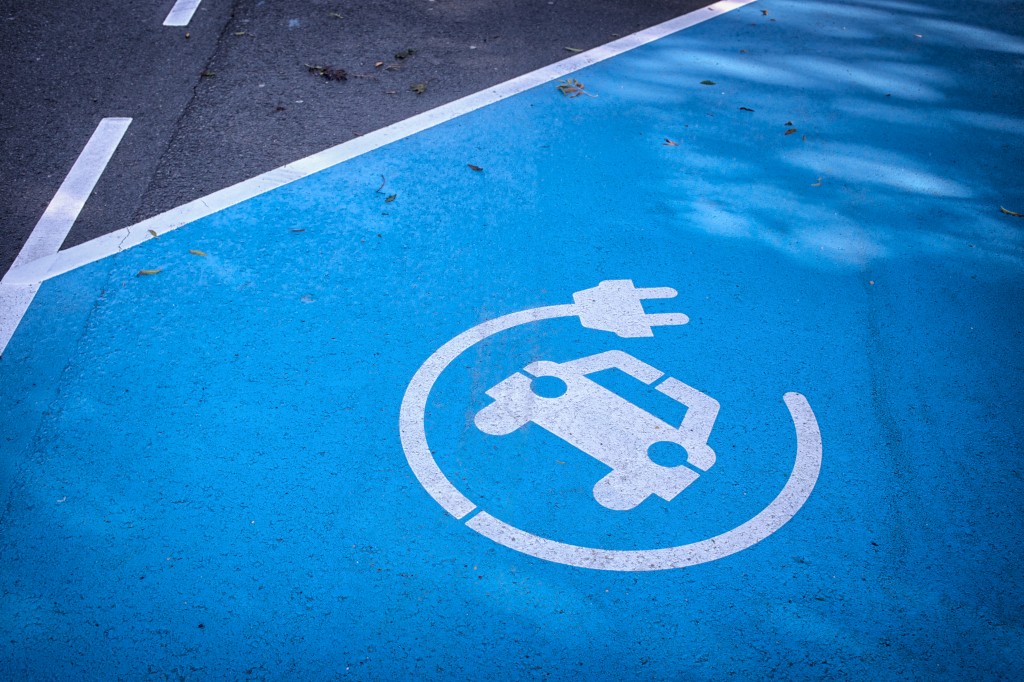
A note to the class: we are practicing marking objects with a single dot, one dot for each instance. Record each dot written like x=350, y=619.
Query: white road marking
x=412, y=431
x=29, y=275
x=181, y=13
x=16, y=293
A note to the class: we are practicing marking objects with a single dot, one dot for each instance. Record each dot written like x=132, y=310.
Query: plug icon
x=615, y=305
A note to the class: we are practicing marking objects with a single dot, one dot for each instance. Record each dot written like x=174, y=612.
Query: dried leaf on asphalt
x=145, y=273
x=476, y=168
x=670, y=143
x=153, y=232
x=573, y=49
x=404, y=54
x=391, y=197
x=706, y=82
x=1013, y=213
x=790, y=131
x=816, y=184
x=197, y=252
x=570, y=87
x=328, y=72
x=207, y=74
x=418, y=88
x=378, y=65
x=335, y=15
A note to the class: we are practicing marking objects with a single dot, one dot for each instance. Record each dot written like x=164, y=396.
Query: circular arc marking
x=414, y=442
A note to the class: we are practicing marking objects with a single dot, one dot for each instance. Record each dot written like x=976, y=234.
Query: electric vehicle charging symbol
x=607, y=427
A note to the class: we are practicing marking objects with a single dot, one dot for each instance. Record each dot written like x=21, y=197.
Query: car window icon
x=561, y=399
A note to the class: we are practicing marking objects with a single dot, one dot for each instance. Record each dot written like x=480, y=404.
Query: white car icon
x=607, y=427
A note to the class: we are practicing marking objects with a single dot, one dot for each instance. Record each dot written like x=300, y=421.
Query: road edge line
x=44, y=242
x=114, y=242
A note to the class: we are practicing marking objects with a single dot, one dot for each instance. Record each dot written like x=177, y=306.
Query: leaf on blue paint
x=706, y=82
x=146, y=273
x=1013, y=213
x=391, y=197
x=570, y=87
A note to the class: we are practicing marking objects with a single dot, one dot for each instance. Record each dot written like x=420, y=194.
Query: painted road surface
x=711, y=370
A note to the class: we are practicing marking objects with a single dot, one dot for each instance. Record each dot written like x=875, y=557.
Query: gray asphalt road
x=232, y=95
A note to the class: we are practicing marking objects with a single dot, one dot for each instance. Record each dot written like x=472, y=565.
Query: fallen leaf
x=404, y=54
x=670, y=143
x=328, y=72
x=707, y=82
x=335, y=15
x=391, y=197
x=297, y=229
x=476, y=168
x=764, y=13
x=790, y=131
x=240, y=33
x=378, y=65
x=573, y=49
x=788, y=123
x=145, y=273
x=746, y=109
x=418, y=88
x=153, y=232
x=1013, y=213
x=207, y=74
x=816, y=184
x=570, y=87
x=196, y=252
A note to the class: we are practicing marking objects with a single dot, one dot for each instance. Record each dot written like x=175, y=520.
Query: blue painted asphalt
x=203, y=469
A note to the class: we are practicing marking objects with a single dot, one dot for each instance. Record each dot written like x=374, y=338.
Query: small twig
x=382, y=183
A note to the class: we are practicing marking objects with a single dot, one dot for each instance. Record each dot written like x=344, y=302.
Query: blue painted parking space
x=706, y=364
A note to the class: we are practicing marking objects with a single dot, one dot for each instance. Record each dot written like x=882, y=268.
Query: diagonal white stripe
x=181, y=13
x=52, y=229
x=32, y=273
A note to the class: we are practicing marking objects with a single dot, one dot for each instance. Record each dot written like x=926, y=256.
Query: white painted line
x=108, y=245
x=181, y=13
x=52, y=229
x=29, y=274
